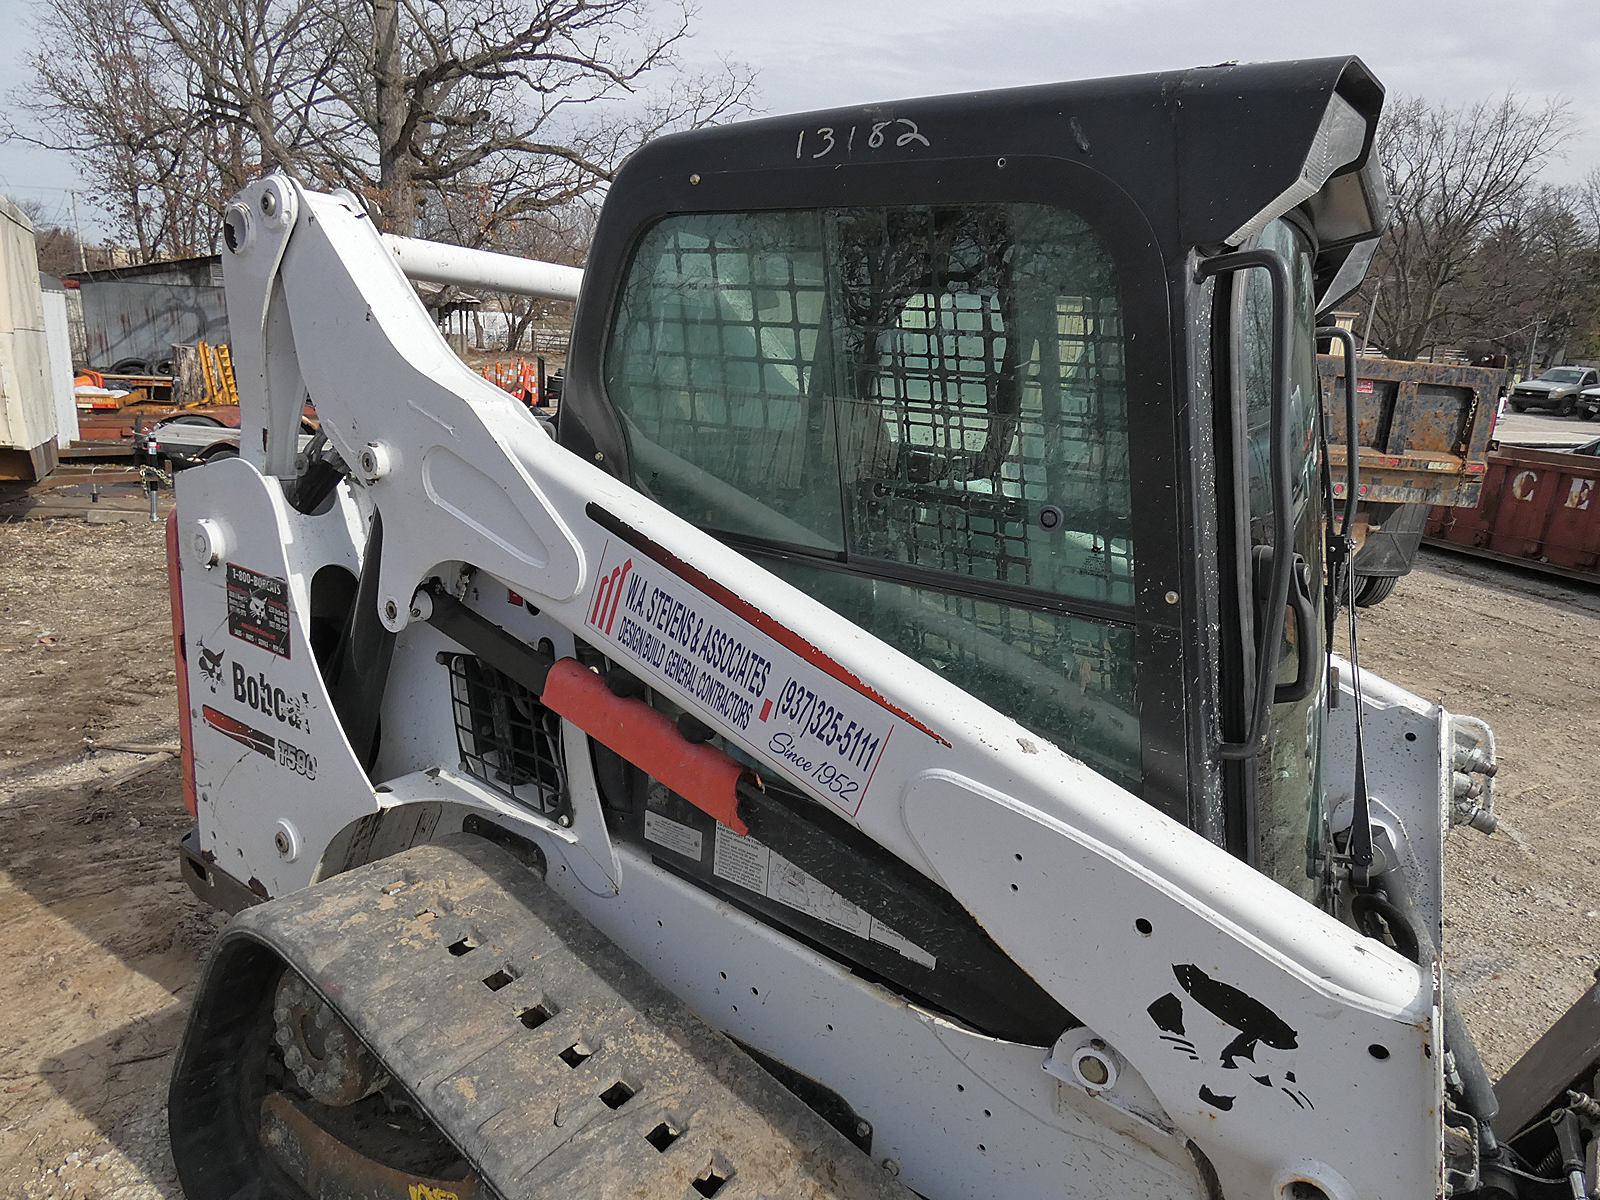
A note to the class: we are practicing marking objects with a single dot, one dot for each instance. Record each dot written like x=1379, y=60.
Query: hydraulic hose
x=1477, y=1093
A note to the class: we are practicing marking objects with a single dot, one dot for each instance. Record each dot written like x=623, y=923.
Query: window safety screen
x=933, y=388
x=1068, y=678
x=507, y=738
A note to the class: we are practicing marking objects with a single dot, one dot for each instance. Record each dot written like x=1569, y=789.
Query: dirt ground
x=102, y=941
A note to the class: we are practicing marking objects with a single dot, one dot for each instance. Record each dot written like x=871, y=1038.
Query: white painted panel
x=27, y=412
x=58, y=342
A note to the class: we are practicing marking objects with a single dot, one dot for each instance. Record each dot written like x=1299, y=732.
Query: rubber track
x=441, y=958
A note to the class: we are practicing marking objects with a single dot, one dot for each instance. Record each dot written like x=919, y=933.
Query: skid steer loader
x=885, y=740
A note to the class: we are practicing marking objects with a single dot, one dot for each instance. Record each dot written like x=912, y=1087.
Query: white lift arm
x=435, y=262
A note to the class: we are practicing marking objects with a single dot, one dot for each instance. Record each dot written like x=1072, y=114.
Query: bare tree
x=60, y=252
x=107, y=88
x=406, y=102
x=1563, y=264
x=403, y=99
x=1456, y=176
x=1588, y=200
x=539, y=101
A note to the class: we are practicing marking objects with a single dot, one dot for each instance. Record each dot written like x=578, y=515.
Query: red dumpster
x=1540, y=508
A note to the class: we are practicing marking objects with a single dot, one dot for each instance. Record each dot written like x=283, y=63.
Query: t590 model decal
x=285, y=754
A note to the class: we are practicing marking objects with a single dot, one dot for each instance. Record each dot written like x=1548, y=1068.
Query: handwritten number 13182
x=902, y=131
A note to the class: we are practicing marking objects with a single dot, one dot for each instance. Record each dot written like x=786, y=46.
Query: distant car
x=1557, y=388
x=1589, y=403
x=187, y=439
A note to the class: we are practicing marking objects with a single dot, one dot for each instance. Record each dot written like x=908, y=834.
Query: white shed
x=28, y=420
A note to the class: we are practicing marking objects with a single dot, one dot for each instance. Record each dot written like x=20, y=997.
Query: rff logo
x=607, y=595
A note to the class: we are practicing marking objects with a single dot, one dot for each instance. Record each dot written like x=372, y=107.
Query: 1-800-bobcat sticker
x=258, y=609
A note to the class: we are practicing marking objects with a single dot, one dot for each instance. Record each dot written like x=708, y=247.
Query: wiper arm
x=1359, y=847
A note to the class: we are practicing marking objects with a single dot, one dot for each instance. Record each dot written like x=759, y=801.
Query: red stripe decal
x=703, y=775
x=185, y=733
x=261, y=743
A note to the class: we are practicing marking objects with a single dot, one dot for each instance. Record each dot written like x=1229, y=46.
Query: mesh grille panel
x=507, y=738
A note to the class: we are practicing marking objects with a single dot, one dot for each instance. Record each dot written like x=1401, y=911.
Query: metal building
x=133, y=316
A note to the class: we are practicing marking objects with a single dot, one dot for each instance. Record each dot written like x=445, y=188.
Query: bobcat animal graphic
x=1254, y=1039
x=211, y=666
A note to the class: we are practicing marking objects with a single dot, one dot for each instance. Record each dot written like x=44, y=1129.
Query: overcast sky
x=819, y=53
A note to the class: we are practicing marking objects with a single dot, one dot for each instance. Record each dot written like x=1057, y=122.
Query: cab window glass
x=712, y=366
x=937, y=390
x=1067, y=678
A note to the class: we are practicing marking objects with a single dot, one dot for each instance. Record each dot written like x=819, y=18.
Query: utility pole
x=77, y=231
x=1366, y=329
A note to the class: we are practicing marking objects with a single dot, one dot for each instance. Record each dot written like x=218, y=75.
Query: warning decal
x=258, y=609
x=801, y=720
x=741, y=860
x=746, y=862
x=674, y=835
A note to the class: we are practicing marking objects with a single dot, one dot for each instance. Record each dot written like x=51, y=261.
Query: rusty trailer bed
x=1424, y=428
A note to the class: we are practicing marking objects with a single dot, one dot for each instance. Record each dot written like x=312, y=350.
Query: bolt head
x=269, y=203
x=375, y=461
x=1094, y=1067
x=281, y=841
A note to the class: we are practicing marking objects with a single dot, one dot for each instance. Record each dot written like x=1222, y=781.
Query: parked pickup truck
x=188, y=438
x=1424, y=433
x=1559, y=389
x=1589, y=403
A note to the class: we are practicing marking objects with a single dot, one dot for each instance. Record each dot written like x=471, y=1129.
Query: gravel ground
x=103, y=941
x=100, y=936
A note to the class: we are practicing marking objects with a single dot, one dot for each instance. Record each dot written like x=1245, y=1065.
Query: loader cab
x=957, y=368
